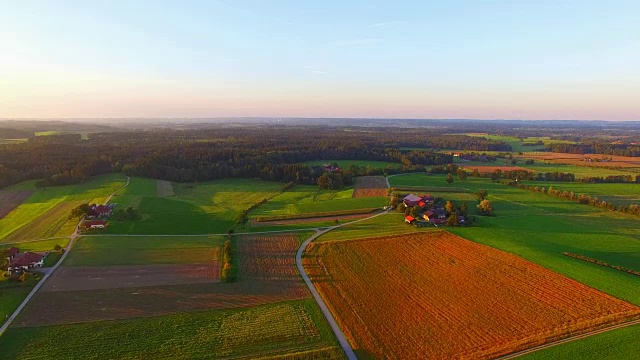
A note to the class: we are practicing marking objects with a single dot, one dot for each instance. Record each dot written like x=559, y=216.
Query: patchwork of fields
x=45, y=213
x=459, y=298
x=124, y=284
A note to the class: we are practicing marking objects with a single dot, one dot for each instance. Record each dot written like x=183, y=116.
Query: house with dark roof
x=25, y=261
x=12, y=252
x=412, y=200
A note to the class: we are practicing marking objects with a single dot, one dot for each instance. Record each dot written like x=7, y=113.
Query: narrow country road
x=51, y=270
x=344, y=343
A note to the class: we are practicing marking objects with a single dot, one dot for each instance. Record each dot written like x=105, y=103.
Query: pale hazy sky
x=534, y=59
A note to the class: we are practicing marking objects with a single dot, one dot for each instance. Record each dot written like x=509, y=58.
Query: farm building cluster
x=18, y=262
x=97, y=216
x=425, y=210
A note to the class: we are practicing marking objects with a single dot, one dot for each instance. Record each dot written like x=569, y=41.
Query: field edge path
x=72, y=238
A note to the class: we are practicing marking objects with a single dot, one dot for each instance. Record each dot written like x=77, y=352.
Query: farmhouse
x=99, y=211
x=26, y=261
x=412, y=200
x=409, y=219
x=428, y=215
x=94, y=224
x=12, y=252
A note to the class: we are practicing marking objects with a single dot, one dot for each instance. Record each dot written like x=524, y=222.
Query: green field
x=517, y=145
x=307, y=199
x=579, y=171
x=47, y=133
x=294, y=327
x=613, y=345
x=45, y=213
x=539, y=228
x=202, y=208
x=129, y=250
x=384, y=225
x=361, y=163
x=618, y=194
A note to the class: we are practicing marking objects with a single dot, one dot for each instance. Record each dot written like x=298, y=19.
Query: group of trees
x=597, y=147
x=270, y=153
x=227, y=273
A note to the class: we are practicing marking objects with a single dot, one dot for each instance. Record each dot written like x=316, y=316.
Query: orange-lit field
x=490, y=169
x=436, y=295
x=591, y=160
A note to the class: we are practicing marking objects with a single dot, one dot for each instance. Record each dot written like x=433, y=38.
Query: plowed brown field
x=583, y=160
x=9, y=200
x=267, y=273
x=436, y=295
x=81, y=278
x=369, y=186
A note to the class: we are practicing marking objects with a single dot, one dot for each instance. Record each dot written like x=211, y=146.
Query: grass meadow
x=308, y=199
x=579, y=171
x=618, y=194
x=45, y=213
x=613, y=345
x=296, y=329
x=201, y=208
x=539, y=228
x=143, y=250
x=361, y=163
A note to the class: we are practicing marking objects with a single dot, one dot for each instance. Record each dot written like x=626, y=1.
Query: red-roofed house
x=422, y=203
x=412, y=200
x=26, y=261
x=409, y=219
x=96, y=210
x=94, y=224
x=12, y=252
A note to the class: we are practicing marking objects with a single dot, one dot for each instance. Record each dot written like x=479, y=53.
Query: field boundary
x=569, y=339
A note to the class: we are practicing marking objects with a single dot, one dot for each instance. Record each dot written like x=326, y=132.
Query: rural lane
x=51, y=270
x=344, y=343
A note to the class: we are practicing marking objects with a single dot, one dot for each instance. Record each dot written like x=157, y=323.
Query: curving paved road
x=344, y=343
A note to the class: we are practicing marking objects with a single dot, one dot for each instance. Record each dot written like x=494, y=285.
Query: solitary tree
x=462, y=175
x=450, y=207
x=453, y=220
x=400, y=207
x=482, y=194
x=464, y=209
x=485, y=207
x=449, y=179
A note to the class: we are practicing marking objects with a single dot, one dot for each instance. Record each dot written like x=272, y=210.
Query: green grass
x=579, y=171
x=618, y=194
x=111, y=250
x=46, y=211
x=267, y=330
x=360, y=163
x=307, y=199
x=613, y=345
x=517, y=145
x=47, y=133
x=539, y=228
x=12, y=294
x=384, y=225
x=201, y=208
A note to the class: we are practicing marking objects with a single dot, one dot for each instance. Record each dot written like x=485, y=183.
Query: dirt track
x=80, y=278
x=370, y=186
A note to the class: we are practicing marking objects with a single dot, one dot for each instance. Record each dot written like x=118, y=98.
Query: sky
x=534, y=59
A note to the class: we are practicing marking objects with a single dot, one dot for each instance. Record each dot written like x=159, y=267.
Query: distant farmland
x=450, y=298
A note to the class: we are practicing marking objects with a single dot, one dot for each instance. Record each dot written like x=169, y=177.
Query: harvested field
x=590, y=160
x=450, y=298
x=81, y=278
x=46, y=225
x=267, y=273
x=164, y=188
x=490, y=169
x=370, y=186
x=9, y=200
x=311, y=219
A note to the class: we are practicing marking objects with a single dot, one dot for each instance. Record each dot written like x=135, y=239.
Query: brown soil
x=9, y=200
x=267, y=273
x=80, y=278
x=370, y=186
